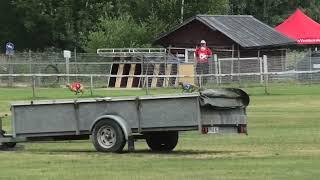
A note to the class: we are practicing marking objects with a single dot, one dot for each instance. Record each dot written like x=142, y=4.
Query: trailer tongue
x=113, y=122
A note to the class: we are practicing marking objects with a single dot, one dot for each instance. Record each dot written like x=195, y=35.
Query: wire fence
x=157, y=69
x=125, y=63
x=91, y=81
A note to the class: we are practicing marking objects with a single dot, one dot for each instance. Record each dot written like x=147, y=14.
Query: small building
x=229, y=36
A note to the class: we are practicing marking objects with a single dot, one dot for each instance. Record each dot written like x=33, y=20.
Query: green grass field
x=283, y=143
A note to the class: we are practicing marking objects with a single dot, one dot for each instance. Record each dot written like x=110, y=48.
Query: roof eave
x=270, y=45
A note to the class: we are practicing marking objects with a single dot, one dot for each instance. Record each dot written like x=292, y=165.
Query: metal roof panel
x=245, y=30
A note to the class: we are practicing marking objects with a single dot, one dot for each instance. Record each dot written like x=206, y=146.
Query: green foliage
x=117, y=33
x=12, y=28
x=146, y=20
x=62, y=24
x=65, y=24
x=273, y=12
x=206, y=7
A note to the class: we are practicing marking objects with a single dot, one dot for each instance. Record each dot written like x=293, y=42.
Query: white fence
x=267, y=77
x=96, y=70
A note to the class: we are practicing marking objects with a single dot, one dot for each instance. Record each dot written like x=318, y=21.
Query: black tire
x=9, y=144
x=6, y=145
x=162, y=141
x=107, y=136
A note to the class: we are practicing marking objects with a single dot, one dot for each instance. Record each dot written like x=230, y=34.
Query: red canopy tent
x=301, y=28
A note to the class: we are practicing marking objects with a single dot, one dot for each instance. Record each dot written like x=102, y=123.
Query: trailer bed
x=75, y=117
x=220, y=110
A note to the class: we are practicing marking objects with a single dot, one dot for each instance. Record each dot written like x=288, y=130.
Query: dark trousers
x=202, y=68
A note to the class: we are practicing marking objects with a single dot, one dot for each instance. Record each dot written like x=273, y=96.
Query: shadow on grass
x=186, y=152
x=125, y=152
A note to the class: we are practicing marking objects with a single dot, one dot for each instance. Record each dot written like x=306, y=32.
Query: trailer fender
x=123, y=124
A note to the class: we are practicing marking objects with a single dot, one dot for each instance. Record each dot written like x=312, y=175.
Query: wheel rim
x=106, y=136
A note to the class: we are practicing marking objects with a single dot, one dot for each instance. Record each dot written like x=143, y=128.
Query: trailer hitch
x=2, y=132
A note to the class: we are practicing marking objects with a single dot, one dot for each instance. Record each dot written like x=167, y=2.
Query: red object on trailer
x=301, y=28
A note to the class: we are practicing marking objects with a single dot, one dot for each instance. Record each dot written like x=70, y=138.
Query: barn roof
x=245, y=30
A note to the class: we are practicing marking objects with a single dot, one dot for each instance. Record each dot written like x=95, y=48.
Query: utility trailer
x=113, y=122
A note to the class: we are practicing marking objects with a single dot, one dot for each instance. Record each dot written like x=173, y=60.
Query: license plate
x=213, y=130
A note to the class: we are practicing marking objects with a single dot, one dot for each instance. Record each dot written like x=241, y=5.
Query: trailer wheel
x=6, y=145
x=9, y=144
x=162, y=141
x=108, y=137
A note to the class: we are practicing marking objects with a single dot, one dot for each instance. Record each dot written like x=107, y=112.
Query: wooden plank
x=131, y=73
x=108, y=78
x=176, y=79
x=155, y=72
x=167, y=72
x=187, y=69
x=119, y=73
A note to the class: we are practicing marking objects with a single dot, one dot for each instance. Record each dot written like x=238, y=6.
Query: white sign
x=316, y=66
x=66, y=54
x=213, y=130
x=9, y=48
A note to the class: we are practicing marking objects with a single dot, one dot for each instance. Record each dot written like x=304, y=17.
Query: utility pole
x=182, y=6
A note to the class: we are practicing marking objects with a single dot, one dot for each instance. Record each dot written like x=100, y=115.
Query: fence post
x=91, y=84
x=142, y=79
x=147, y=85
x=67, y=70
x=296, y=65
x=261, y=70
x=10, y=83
x=39, y=78
x=239, y=68
x=310, y=66
x=215, y=59
x=200, y=81
x=178, y=74
x=33, y=86
x=266, y=78
x=219, y=71
x=76, y=64
x=165, y=69
x=30, y=61
x=232, y=56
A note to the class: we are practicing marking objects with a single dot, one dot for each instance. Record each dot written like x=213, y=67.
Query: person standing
x=203, y=53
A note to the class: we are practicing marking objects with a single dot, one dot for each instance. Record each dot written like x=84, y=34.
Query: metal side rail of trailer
x=113, y=122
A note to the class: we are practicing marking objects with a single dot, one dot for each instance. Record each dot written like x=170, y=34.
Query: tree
x=12, y=28
x=117, y=33
x=212, y=7
x=273, y=12
x=63, y=23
